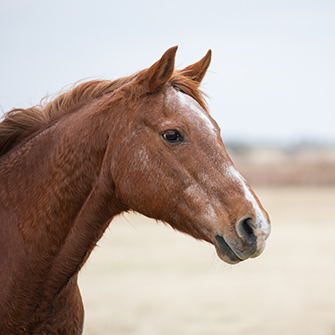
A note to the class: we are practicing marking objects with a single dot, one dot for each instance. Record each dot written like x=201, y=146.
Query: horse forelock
x=189, y=87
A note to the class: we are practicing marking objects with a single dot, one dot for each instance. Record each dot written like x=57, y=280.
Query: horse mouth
x=225, y=252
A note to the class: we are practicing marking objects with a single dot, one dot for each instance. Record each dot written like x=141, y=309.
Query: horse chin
x=260, y=250
x=224, y=251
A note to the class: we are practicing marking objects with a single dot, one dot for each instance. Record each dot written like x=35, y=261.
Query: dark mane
x=19, y=123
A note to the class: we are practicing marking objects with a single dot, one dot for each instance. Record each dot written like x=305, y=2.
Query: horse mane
x=20, y=123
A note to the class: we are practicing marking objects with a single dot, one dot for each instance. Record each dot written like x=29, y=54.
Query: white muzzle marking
x=262, y=226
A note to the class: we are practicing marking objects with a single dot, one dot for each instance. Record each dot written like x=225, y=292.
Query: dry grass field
x=298, y=166
x=145, y=279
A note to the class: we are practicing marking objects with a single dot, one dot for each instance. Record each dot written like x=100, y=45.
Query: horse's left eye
x=172, y=136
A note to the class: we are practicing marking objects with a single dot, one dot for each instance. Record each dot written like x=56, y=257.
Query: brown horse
x=144, y=143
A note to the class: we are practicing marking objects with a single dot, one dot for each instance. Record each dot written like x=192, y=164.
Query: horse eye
x=172, y=136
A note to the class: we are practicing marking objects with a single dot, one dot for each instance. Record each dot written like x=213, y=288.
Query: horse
x=143, y=143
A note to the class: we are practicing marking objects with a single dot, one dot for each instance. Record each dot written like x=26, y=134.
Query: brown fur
x=69, y=166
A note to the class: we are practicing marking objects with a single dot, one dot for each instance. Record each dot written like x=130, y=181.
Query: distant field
x=275, y=166
x=146, y=279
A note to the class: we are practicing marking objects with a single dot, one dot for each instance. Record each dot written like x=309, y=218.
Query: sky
x=271, y=80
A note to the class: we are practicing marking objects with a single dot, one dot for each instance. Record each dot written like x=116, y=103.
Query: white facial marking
x=194, y=110
x=262, y=225
x=142, y=157
x=196, y=195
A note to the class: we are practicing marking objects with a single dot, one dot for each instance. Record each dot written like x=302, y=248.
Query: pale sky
x=272, y=77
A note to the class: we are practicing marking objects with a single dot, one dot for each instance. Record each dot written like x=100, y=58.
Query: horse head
x=169, y=163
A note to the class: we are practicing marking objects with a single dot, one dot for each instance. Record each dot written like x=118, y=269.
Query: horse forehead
x=189, y=108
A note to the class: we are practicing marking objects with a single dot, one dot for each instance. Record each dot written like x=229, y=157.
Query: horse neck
x=59, y=197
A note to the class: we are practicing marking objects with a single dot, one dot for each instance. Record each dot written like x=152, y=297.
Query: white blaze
x=262, y=224
x=194, y=111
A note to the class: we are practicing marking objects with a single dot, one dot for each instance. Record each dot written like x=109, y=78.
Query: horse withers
x=145, y=143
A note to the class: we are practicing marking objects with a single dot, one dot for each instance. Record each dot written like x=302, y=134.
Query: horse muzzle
x=249, y=241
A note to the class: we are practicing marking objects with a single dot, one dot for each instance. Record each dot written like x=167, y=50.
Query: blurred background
x=271, y=89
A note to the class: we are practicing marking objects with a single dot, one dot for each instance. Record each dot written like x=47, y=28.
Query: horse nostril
x=247, y=226
x=245, y=229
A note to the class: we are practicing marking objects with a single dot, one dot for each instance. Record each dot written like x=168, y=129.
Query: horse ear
x=197, y=71
x=160, y=73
